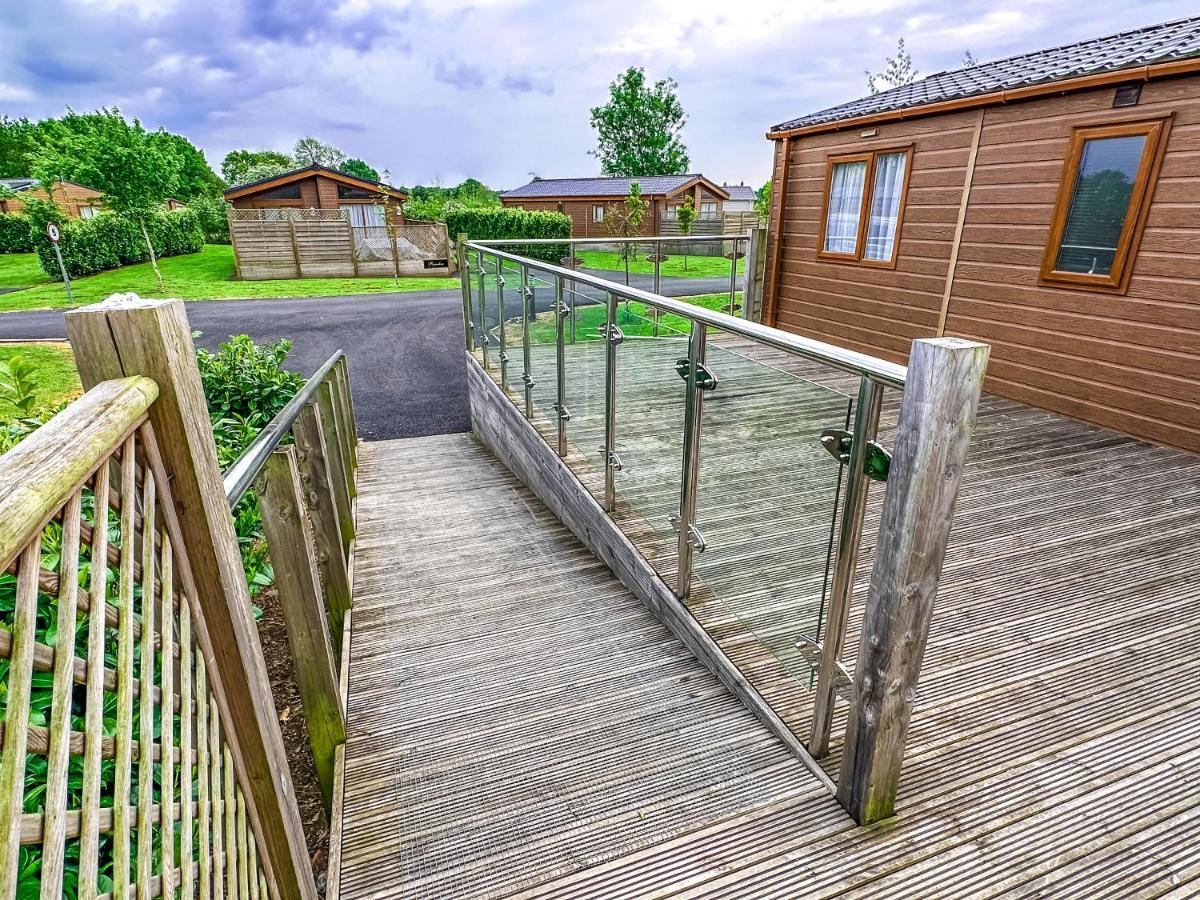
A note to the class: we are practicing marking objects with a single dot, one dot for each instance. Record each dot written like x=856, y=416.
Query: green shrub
x=110, y=240
x=481, y=224
x=246, y=385
x=16, y=235
x=211, y=216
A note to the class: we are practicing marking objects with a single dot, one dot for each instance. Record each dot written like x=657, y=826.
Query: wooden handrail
x=41, y=472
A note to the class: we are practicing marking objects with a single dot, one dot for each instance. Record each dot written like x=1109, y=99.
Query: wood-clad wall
x=1129, y=362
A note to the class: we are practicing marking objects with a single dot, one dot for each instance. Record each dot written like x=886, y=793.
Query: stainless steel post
x=689, y=481
x=657, y=285
x=500, y=313
x=483, y=329
x=610, y=403
x=733, y=276
x=560, y=361
x=464, y=275
x=854, y=505
x=528, y=310
x=574, y=289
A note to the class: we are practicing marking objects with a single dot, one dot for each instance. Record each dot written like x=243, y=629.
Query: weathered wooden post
x=131, y=336
x=321, y=501
x=937, y=418
x=755, y=275
x=285, y=522
x=339, y=466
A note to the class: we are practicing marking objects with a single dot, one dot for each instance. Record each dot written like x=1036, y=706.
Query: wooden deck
x=1055, y=745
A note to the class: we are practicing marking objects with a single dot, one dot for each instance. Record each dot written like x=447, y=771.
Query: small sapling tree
x=685, y=217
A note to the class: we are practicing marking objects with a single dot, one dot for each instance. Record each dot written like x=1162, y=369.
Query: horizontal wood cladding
x=1126, y=361
x=873, y=309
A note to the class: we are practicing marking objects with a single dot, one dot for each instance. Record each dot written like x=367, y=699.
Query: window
x=864, y=203
x=672, y=212
x=345, y=192
x=287, y=192
x=87, y=212
x=708, y=210
x=1102, y=204
x=597, y=213
x=363, y=215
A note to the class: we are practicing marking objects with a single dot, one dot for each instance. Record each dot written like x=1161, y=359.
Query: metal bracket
x=694, y=536
x=843, y=683
x=705, y=379
x=503, y=357
x=877, y=462
x=481, y=271
x=500, y=282
x=527, y=292
x=527, y=379
x=563, y=412
x=614, y=334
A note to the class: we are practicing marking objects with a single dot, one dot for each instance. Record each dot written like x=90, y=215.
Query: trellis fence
x=321, y=243
x=141, y=751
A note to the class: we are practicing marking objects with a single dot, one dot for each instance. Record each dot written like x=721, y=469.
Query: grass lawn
x=55, y=371
x=632, y=318
x=697, y=266
x=207, y=275
x=20, y=270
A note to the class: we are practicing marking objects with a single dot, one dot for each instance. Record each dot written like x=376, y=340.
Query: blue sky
x=497, y=89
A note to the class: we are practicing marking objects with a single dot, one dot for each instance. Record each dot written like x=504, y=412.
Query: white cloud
x=14, y=93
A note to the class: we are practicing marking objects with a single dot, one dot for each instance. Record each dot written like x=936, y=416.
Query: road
x=404, y=349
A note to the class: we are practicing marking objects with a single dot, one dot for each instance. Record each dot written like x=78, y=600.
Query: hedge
x=212, y=214
x=483, y=224
x=110, y=240
x=16, y=235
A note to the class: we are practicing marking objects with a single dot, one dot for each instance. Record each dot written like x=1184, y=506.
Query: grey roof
x=739, y=191
x=316, y=170
x=609, y=186
x=1154, y=44
x=18, y=184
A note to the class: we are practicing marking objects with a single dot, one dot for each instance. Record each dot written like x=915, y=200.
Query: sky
x=498, y=90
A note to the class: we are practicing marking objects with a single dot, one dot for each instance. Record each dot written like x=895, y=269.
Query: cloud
x=377, y=77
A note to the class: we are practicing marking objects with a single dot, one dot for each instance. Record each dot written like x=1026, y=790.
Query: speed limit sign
x=52, y=232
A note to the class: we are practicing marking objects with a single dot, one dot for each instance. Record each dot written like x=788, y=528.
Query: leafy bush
x=246, y=385
x=504, y=223
x=16, y=234
x=109, y=240
x=211, y=216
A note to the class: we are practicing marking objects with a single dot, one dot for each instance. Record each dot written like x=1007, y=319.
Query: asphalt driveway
x=407, y=368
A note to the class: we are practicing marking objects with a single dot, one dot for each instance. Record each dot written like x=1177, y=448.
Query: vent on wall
x=1127, y=94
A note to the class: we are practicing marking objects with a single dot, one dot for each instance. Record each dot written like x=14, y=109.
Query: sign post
x=52, y=233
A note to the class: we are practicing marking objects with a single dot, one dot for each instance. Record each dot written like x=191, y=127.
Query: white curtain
x=885, y=205
x=845, y=206
x=362, y=214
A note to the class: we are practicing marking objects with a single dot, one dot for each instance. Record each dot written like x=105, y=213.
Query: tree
x=136, y=170
x=237, y=164
x=637, y=131
x=195, y=177
x=762, y=201
x=625, y=220
x=360, y=169
x=312, y=152
x=685, y=217
x=265, y=170
x=899, y=70
x=18, y=140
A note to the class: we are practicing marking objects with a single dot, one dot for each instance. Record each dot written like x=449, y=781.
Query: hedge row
x=109, y=240
x=485, y=224
x=16, y=234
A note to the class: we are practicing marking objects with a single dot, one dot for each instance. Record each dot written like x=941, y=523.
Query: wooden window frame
x=600, y=207
x=860, y=241
x=1117, y=280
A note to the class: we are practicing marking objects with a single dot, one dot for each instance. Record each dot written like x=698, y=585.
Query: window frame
x=860, y=241
x=1117, y=280
x=597, y=208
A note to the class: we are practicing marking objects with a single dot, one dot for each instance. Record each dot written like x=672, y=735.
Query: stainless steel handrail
x=247, y=467
x=668, y=239
x=860, y=364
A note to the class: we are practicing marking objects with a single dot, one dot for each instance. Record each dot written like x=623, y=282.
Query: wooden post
x=290, y=542
x=353, y=247
x=322, y=506
x=338, y=469
x=341, y=372
x=295, y=246
x=347, y=438
x=937, y=417
x=126, y=335
x=756, y=271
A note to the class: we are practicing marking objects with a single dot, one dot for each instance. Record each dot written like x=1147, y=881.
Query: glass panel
x=1100, y=204
x=543, y=364
x=649, y=432
x=885, y=205
x=767, y=498
x=505, y=310
x=845, y=206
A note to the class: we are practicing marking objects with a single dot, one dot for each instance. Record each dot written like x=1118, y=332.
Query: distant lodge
x=365, y=203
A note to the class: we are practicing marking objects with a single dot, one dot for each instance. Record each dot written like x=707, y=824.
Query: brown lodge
x=1057, y=220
